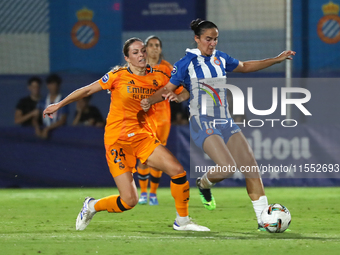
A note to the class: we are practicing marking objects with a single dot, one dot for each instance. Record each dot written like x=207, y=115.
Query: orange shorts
x=122, y=156
x=163, y=132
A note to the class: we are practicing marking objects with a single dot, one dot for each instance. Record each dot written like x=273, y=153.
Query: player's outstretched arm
x=256, y=65
x=157, y=97
x=74, y=96
x=178, y=98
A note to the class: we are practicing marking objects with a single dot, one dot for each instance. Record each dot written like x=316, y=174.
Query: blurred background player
x=53, y=83
x=87, y=115
x=163, y=118
x=130, y=135
x=236, y=118
x=26, y=109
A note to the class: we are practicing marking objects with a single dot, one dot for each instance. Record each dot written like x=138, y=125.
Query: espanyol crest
x=85, y=33
x=329, y=25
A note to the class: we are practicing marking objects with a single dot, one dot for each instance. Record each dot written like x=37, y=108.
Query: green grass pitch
x=42, y=221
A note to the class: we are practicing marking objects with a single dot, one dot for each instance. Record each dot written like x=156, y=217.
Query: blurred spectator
x=179, y=113
x=53, y=83
x=236, y=118
x=26, y=109
x=87, y=115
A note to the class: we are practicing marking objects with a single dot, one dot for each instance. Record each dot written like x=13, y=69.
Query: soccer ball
x=275, y=218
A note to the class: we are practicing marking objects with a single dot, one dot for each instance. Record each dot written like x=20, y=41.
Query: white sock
x=91, y=205
x=205, y=183
x=182, y=220
x=259, y=205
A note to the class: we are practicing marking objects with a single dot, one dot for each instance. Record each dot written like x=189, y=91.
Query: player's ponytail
x=117, y=67
x=198, y=26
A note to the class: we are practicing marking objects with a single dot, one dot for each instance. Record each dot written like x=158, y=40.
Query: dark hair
x=160, y=43
x=126, y=48
x=153, y=37
x=34, y=79
x=198, y=26
x=53, y=78
x=128, y=43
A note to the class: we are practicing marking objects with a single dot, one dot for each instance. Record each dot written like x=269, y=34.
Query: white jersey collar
x=198, y=52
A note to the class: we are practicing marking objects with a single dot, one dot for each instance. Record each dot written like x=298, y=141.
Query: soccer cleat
x=207, y=198
x=153, y=199
x=143, y=198
x=85, y=215
x=189, y=226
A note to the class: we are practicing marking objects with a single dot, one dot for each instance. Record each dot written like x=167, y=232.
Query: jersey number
x=211, y=124
x=115, y=153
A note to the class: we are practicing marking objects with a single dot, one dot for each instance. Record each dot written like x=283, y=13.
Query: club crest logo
x=105, y=78
x=174, y=70
x=217, y=62
x=328, y=27
x=85, y=33
x=209, y=131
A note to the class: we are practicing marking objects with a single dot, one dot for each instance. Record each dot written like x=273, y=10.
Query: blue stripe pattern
x=221, y=65
x=23, y=17
x=198, y=69
x=189, y=65
x=85, y=34
x=331, y=28
x=217, y=111
x=211, y=69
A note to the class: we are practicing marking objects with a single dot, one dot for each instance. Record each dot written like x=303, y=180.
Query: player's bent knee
x=130, y=199
x=175, y=170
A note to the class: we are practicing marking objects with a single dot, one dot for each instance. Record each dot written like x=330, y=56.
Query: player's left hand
x=287, y=54
x=52, y=108
x=171, y=96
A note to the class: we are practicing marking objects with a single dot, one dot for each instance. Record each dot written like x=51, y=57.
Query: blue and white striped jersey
x=205, y=78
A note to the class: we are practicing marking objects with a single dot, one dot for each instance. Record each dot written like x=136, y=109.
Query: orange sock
x=112, y=204
x=155, y=177
x=180, y=190
x=143, y=177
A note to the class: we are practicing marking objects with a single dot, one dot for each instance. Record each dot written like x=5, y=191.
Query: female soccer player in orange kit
x=130, y=135
x=163, y=119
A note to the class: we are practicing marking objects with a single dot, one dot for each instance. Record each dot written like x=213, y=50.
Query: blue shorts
x=203, y=126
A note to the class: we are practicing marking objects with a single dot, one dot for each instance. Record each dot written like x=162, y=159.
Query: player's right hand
x=145, y=104
x=287, y=54
x=52, y=108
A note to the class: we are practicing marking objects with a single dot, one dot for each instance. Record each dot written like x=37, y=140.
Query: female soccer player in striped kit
x=163, y=120
x=200, y=69
x=130, y=135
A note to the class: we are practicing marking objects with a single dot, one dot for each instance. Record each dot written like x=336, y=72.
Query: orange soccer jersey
x=126, y=120
x=162, y=109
